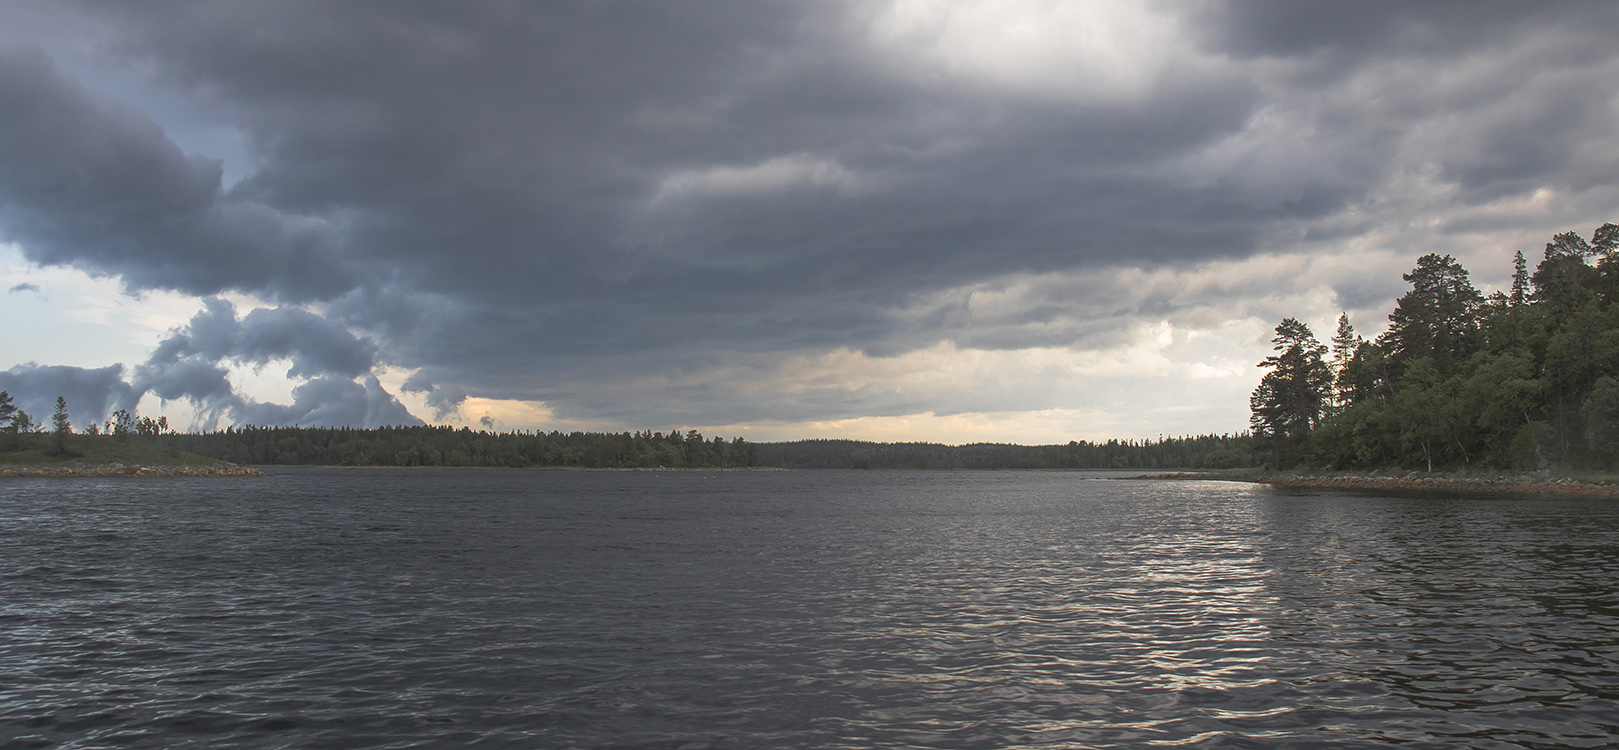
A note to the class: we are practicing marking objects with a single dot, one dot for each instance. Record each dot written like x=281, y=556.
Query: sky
x=945, y=220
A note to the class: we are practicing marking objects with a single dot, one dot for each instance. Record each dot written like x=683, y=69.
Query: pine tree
x=1520, y=280
x=1344, y=343
x=10, y=423
x=1436, y=318
x=1290, y=398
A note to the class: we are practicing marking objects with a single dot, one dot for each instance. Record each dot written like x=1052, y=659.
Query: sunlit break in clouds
x=1017, y=221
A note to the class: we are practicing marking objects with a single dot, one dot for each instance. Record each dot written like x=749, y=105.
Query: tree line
x=18, y=429
x=464, y=447
x=1523, y=379
x=1201, y=451
x=16, y=426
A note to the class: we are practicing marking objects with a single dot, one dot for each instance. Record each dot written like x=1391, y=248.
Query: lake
x=323, y=608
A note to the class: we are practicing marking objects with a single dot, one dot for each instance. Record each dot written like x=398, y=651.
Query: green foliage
x=121, y=426
x=1521, y=381
x=1436, y=319
x=92, y=450
x=1344, y=344
x=1601, y=412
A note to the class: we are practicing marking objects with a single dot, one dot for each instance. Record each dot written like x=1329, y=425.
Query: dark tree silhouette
x=1291, y=397
x=60, y=429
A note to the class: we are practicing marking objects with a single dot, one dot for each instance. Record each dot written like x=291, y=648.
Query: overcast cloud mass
x=1011, y=220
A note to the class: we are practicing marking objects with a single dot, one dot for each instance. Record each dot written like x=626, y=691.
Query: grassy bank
x=98, y=450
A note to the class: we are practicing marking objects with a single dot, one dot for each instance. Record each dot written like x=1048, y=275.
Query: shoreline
x=530, y=468
x=1417, y=482
x=127, y=470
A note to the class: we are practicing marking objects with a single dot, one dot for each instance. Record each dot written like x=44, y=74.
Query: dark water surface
x=351, y=609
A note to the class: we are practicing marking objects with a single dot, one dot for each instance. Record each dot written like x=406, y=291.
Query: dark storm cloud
x=329, y=402
x=314, y=345
x=1355, y=31
x=514, y=197
x=24, y=287
x=1525, y=83
x=443, y=400
x=191, y=365
x=91, y=182
x=90, y=393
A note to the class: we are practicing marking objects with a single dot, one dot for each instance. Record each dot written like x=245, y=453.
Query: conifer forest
x=1521, y=379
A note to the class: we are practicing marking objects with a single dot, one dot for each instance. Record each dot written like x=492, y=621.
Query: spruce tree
x=1344, y=343
x=1520, y=280
x=60, y=428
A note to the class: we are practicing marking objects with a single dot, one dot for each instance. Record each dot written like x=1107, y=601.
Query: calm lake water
x=351, y=609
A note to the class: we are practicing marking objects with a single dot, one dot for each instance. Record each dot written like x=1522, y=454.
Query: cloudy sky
x=949, y=220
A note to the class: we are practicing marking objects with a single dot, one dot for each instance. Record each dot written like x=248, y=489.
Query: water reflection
x=859, y=609
x=1488, y=617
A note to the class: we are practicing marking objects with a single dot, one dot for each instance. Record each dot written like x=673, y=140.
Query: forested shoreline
x=1195, y=452
x=1526, y=379
x=464, y=447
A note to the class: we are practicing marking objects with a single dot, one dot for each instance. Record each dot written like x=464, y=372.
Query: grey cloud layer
x=94, y=183
x=508, y=195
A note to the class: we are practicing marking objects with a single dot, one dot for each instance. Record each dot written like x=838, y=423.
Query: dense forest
x=448, y=446
x=1525, y=379
x=1202, y=451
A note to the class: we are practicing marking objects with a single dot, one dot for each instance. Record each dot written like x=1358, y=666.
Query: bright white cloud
x=1091, y=50
x=781, y=173
x=62, y=315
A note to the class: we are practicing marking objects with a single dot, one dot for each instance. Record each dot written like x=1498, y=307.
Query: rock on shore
x=129, y=470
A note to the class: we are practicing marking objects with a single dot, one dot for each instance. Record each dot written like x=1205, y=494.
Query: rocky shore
x=130, y=470
x=1529, y=485
x=1419, y=482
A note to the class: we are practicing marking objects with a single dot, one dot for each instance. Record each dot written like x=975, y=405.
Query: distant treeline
x=463, y=447
x=448, y=446
x=1522, y=379
x=1202, y=451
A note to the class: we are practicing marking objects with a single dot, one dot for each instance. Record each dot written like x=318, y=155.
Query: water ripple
x=321, y=608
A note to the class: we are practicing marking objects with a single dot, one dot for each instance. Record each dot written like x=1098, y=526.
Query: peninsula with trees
x=1513, y=381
